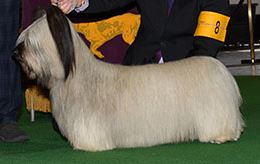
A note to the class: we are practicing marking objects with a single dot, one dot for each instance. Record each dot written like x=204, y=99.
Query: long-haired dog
x=101, y=106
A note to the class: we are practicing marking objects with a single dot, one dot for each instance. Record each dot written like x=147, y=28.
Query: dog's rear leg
x=220, y=134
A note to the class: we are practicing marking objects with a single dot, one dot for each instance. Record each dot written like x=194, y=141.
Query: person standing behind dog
x=169, y=29
x=10, y=86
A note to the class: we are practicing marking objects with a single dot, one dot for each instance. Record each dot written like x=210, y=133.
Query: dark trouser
x=10, y=84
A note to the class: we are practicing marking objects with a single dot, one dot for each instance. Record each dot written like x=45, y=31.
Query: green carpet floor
x=46, y=146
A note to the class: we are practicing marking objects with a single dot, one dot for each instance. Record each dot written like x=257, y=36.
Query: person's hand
x=67, y=5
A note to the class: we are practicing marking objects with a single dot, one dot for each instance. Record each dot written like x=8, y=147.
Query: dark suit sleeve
x=207, y=45
x=97, y=6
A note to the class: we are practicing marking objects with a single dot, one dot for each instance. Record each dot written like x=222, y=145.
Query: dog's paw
x=219, y=139
x=222, y=139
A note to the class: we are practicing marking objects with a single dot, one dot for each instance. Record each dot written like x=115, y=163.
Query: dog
x=101, y=106
x=99, y=32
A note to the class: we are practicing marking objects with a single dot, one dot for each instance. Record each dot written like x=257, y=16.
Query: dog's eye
x=20, y=47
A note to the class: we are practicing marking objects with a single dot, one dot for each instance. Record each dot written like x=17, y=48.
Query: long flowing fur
x=101, y=106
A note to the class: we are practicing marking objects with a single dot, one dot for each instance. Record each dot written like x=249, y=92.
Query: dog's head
x=45, y=49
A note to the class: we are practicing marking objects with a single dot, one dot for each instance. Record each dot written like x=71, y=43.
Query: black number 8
x=217, y=27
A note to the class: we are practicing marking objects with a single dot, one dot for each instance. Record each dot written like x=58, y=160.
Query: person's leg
x=10, y=86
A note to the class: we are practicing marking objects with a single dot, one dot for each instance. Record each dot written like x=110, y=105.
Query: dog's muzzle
x=17, y=52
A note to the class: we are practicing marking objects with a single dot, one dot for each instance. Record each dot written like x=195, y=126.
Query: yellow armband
x=212, y=25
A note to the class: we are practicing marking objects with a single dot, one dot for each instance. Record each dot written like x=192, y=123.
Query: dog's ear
x=61, y=32
x=38, y=13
